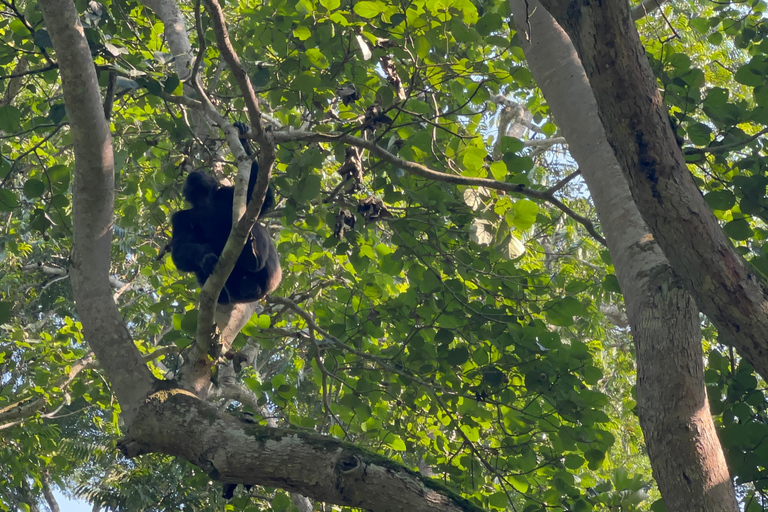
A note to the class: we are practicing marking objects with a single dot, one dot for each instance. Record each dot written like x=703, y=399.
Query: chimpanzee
x=200, y=233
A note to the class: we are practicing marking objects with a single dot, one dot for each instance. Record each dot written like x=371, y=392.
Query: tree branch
x=11, y=414
x=426, y=172
x=314, y=465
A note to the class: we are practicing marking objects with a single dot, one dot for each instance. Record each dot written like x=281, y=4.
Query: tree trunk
x=638, y=129
x=48, y=493
x=92, y=210
x=685, y=454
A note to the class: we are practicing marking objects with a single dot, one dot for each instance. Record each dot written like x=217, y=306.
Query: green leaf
x=474, y=157
x=10, y=118
x=395, y=442
x=716, y=97
x=611, y=283
x=189, y=322
x=490, y=22
x=9, y=201
x=368, y=9
x=738, y=229
x=308, y=189
x=715, y=38
x=60, y=201
x=700, y=25
x=472, y=433
x=57, y=113
x=302, y=33
x=700, y=134
x=280, y=502
x=573, y=461
x=264, y=321
x=317, y=58
x=499, y=170
x=680, y=61
x=5, y=312
x=39, y=221
x=499, y=500
x=525, y=213
x=720, y=199
x=33, y=188
x=59, y=176
x=457, y=356
x=153, y=86
x=173, y=85
x=562, y=312
x=753, y=73
x=510, y=145
x=42, y=39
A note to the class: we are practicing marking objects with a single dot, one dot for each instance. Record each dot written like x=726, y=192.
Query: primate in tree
x=200, y=233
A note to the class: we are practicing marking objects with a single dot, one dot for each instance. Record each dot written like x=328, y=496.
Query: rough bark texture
x=92, y=214
x=685, y=453
x=638, y=128
x=177, y=423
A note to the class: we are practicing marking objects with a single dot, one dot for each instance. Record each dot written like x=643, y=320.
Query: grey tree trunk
x=637, y=124
x=686, y=456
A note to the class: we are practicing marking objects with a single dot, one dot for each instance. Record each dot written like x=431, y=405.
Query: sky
x=67, y=505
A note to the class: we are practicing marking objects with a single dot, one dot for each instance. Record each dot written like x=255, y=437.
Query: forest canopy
x=450, y=332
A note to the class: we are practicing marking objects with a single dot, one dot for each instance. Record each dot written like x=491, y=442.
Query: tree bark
x=685, y=454
x=638, y=129
x=92, y=211
x=178, y=423
x=50, y=499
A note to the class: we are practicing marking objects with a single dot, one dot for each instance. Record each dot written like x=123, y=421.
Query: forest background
x=458, y=215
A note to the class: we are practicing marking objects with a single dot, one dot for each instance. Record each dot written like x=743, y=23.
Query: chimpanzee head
x=199, y=187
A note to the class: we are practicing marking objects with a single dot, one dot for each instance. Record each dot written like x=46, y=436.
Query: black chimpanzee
x=200, y=233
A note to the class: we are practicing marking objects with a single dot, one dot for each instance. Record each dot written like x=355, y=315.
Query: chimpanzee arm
x=256, y=250
x=245, y=285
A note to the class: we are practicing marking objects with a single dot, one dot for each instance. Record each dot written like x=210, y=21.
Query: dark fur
x=200, y=233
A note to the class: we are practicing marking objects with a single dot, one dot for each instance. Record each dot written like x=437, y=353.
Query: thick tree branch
x=324, y=468
x=92, y=215
x=261, y=136
x=243, y=218
x=246, y=88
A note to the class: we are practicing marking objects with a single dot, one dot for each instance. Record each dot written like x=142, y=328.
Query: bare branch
x=426, y=172
x=646, y=8
x=563, y=182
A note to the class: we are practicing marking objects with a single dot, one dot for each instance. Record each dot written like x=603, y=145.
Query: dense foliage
x=458, y=330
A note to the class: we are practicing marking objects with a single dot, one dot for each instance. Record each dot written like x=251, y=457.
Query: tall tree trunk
x=637, y=126
x=685, y=454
